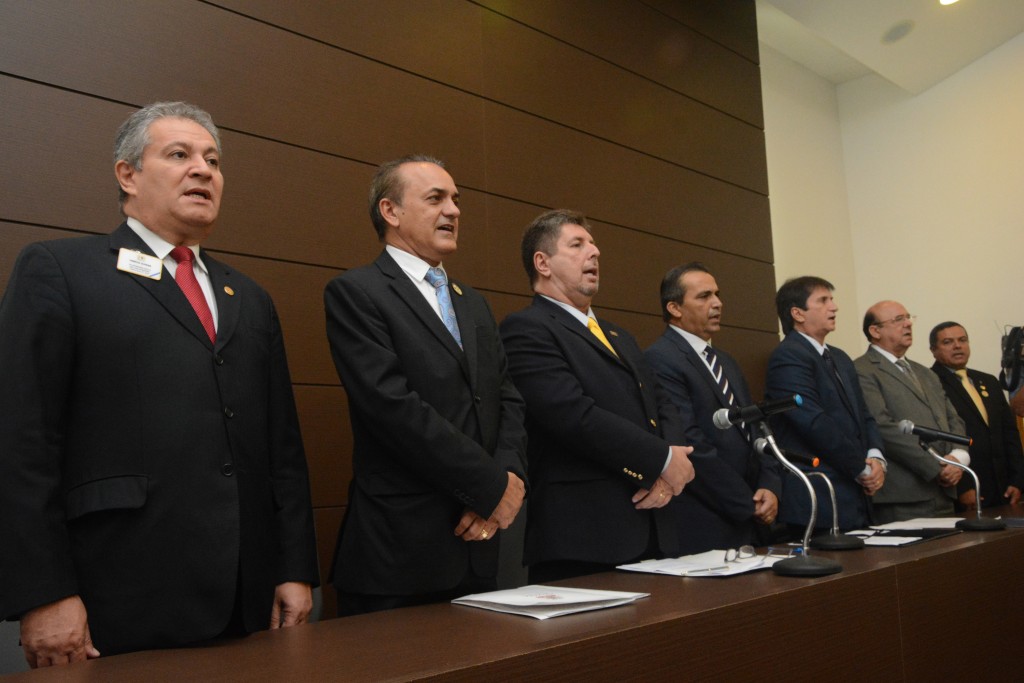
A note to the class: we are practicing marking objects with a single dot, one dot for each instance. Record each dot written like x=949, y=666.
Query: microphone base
x=832, y=541
x=805, y=565
x=980, y=524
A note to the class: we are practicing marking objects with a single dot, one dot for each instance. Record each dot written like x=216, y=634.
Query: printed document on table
x=922, y=523
x=544, y=602
x=710, y=563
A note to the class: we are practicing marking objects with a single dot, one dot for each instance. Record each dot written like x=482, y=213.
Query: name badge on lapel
x=137, y=263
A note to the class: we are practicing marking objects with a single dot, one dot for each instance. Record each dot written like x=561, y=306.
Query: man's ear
x=389, y=210
x=125, y=174
x=797, y=314
x=673, y=309
x=541, y=263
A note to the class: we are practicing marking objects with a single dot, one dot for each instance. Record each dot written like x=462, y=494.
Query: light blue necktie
x=436, y=277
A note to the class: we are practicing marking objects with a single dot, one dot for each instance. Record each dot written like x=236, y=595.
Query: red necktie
x=186, y=278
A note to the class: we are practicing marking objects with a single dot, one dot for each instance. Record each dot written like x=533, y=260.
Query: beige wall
x=933, y=185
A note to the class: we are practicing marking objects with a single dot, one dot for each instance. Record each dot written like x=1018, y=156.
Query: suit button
x=227, y=469
x=228, y=412
x=653, y=423
x=478, y=400
x=641, y=384
x=218, y=359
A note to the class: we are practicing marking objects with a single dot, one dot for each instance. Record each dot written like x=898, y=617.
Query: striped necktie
x=716, y=372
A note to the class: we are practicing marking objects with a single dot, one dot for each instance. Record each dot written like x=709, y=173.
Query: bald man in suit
x=896, y=389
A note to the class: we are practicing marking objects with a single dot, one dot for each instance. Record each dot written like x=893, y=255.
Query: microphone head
x=760, y=444
x=721, y=418
x=906, y=427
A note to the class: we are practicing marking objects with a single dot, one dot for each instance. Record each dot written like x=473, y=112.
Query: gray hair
x=133, y=135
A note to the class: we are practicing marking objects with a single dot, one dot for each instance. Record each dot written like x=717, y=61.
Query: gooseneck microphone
x=727, y=417
x=928, y=434
x=761, y=446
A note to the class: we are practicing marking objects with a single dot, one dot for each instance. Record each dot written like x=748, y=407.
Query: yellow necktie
x=595, y=329
x=972, y=392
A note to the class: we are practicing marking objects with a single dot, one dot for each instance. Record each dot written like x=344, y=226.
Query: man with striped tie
x=701, y=380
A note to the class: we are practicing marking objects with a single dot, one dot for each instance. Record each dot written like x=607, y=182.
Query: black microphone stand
x=834, y=540
x=979, y=523
x=803, y=564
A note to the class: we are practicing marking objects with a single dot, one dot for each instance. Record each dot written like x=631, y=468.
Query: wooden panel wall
x=645, y=114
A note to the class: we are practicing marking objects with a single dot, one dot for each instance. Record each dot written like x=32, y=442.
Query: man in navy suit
x=702, y=380
x=439, y=453
x=606, y=446
x=833, y=423
x=153, y=486
x=996, y=455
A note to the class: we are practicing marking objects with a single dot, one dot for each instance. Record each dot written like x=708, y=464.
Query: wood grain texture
x=643, y=114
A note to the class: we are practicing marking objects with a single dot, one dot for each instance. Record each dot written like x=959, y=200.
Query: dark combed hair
x=795, y=292
x=869, y=320
x=388, y=183
x=542, y=233
x=672, y=287
x=933, y=336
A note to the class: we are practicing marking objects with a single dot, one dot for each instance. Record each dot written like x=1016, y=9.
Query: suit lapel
x=892, y=369
x=406, y=292
x=467, y=329
x=165, y=290
x=228, y=296
x=691, y=356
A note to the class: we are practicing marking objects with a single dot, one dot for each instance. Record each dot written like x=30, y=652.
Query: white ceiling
x=912, y=43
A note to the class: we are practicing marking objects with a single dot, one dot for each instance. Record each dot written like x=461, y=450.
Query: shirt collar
x=575, y=312
x=160, y=247
x=818, y=346
x=693, y=340
x=413, y=266
x=888, y=356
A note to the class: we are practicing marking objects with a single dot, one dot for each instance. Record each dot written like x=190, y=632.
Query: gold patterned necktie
x=972, y=392
x=595, y=329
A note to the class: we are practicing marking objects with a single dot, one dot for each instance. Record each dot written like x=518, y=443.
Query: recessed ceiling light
x=946, y=2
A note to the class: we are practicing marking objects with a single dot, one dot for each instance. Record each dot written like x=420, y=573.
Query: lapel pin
x=229, y=291
x=457, y=289
x=613, y=333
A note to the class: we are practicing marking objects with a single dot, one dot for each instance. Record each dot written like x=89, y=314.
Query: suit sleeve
x=37, y=351
x=289, y=473
x=789, y=373
x=416, y=434
x=716, y=484
x=901, y=448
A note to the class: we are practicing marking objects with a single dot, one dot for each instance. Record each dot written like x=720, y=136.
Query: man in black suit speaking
x=701, y=380
x=605, y=445
x=439, y=453
x=153, y=486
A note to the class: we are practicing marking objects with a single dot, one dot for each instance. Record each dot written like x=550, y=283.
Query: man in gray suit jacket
x=896, y=389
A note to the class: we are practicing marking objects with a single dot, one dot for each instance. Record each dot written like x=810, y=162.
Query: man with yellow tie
x=996, y=454
x=605, y=447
